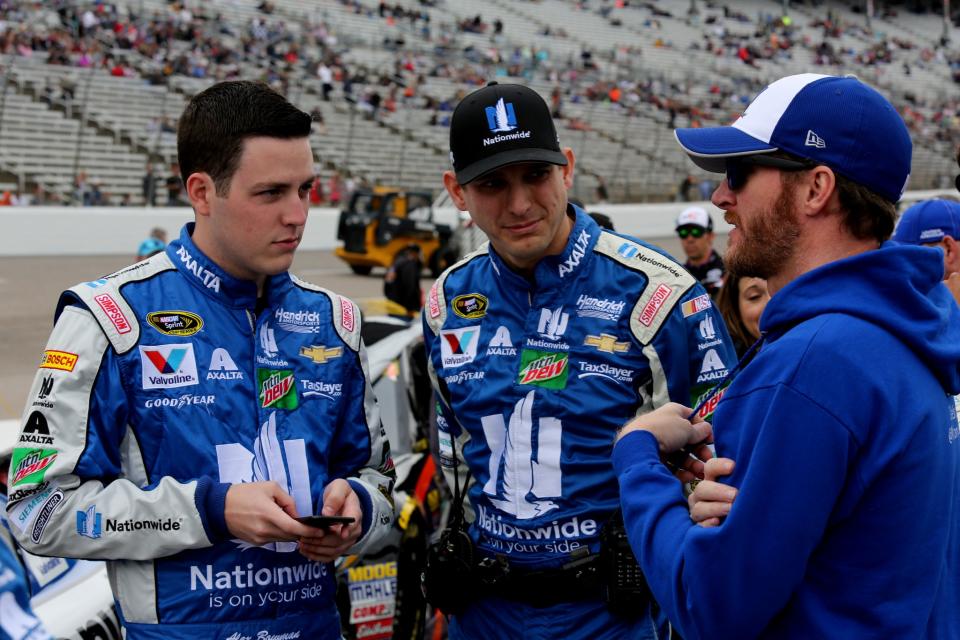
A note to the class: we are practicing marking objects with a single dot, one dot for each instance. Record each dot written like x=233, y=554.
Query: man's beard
x=769, y=242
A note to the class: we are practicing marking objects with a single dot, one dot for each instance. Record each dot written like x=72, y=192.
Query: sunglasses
x=694, y=232
x=739, y=169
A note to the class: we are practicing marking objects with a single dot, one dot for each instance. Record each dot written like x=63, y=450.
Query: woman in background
x=741, y=301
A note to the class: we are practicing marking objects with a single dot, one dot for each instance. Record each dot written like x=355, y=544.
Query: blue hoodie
x=847, y=520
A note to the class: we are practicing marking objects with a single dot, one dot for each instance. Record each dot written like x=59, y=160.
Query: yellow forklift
x=378, y=223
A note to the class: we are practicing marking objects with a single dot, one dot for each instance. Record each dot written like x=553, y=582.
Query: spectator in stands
x=401, y=282
x=686, y=185
x=174, y=185
x=335, y=188
x=706, y=187
x=741, y=302
x=95, y=196
x=81, y=190
x=603, y=195
x=325, y=75
x=148, y=186
x=694, y=227
x=935, y=223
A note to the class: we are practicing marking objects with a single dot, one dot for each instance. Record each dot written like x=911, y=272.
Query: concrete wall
x=52, y=231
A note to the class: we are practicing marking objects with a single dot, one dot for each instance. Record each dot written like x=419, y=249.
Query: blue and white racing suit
x=533, y=379
x=162, y=385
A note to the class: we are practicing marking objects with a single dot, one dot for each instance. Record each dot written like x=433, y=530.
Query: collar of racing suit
x=207, y=276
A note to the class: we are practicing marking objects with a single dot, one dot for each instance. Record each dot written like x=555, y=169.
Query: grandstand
x=92, y=90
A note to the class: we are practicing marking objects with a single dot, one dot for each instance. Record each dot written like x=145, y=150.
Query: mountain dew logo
x=543, y=369
x=277, y=389
x=706, y=411
x=30, y=465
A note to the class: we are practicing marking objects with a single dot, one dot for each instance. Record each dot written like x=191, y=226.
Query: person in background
x=153, y=245
x=840, y=437
x=148, y=186
x=401, y=282
x=935, y=223
x=17, y=620
x=694, y=227
x=741, y=302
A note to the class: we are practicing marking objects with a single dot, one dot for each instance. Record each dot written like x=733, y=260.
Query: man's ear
x=568, y=168
x=818, y=189
x=455, y=189
x=200, y=190
x=951, y=255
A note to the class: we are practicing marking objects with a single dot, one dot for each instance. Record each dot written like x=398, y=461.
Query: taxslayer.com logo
x=167, y=366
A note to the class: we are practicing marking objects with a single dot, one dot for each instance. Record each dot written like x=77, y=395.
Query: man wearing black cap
x=539, y=344
x=845, y=518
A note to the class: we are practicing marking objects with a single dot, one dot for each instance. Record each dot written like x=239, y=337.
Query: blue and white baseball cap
x=836, y=121
x=928, y=222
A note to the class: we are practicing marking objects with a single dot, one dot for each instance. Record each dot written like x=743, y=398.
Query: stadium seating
x=623, y=74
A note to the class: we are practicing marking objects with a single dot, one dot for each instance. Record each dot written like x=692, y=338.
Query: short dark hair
x=217, y=120
x=865, y=213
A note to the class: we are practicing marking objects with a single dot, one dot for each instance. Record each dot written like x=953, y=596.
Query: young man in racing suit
x=188, y=408
x=538, y=345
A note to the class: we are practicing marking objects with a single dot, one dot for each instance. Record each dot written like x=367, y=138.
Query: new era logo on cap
x=500, y=125
x=813, y=140
x=835, y=121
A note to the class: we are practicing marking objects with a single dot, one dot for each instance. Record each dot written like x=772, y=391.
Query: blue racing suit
x=17, y=621
x=162, y=385
x=533, y=378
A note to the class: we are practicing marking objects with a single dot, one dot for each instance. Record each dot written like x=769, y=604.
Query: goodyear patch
x=175, y=323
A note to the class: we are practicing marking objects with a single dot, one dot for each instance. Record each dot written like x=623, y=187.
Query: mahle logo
x=543, y=369
x=277, y=389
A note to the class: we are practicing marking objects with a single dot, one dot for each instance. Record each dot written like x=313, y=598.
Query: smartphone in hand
x=325, y=522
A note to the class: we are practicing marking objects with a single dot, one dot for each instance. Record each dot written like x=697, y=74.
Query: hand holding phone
x=325, y=522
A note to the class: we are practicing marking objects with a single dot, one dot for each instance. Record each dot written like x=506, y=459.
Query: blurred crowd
x=313, y=52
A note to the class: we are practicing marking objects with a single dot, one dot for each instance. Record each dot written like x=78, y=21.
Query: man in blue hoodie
x=846, y=521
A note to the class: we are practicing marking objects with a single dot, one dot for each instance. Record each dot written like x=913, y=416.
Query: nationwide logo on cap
x=501, y=117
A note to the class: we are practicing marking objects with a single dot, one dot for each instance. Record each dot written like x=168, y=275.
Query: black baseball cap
x=498, y=125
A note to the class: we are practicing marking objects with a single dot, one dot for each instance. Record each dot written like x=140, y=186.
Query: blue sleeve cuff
x=366, y=505
x=211, y=500
x=637, y=446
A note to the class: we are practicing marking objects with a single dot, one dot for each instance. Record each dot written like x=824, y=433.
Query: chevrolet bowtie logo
x=321, y=354
x=607, y=343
